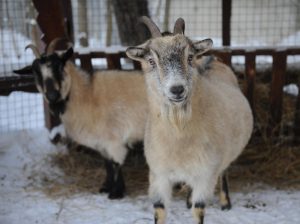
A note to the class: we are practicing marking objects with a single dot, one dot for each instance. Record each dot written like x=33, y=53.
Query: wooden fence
x=61, y=25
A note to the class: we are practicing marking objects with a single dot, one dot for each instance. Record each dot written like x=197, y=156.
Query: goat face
x=169, y=62
x=50, y=77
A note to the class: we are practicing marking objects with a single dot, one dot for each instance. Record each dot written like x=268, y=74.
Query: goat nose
x=177, y=90
x=52, y=96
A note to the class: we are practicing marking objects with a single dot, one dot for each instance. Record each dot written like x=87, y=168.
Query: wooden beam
x=50, y=19
x=225, y=56
x=276, y=93
x=226, y=20
x=55, y=20
x=297, y=118
x=113, y=61
x=86, y=63
x=250, y=72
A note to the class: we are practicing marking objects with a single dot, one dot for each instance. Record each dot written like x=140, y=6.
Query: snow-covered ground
x=24, y=157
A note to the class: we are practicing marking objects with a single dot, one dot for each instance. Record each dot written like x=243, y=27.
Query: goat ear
x=67, y=55
x=136, y=53
x=203, y=46
x=24, y=71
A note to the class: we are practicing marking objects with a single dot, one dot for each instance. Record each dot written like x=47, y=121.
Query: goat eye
x=151, y=61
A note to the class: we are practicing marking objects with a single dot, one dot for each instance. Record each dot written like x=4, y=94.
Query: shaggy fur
x=106, y=111
x=193, y=140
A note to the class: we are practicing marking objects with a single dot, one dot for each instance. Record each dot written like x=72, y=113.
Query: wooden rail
x=279, y=65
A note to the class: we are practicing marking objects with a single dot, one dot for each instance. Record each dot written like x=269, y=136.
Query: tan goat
x=105, y=111
x=199, y=120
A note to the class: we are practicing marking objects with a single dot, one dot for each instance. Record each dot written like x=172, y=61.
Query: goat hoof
x=226, y=207
x=188, y=205
x=116, y=194
x=104, y=189
x=113, y=196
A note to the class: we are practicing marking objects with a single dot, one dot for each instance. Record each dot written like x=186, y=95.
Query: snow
x=24, y=159
x=291, y=89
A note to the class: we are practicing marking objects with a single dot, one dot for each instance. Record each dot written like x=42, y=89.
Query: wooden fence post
x=113, y=61
x=297, y=118
x=86, y=62
x=225, y=55
x=55, y=20
x=276, y=94
x=226, y=20
x=250, y=72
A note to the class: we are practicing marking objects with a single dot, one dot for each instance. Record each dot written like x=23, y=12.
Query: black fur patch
x=114, y=183
x=224, y=188
x=200, y=204
x=37, y=73
x=59, y=107
x=158, y=204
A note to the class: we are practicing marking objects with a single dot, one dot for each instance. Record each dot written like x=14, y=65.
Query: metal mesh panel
x=256, y=23
x=21, y=110
x=265, y=23
x=18, y=110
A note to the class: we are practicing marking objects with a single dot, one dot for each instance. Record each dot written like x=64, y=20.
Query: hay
x=278, y=166
x=84, y=171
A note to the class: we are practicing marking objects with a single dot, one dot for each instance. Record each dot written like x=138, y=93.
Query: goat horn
x=179, y=26
x=34, y=49
x=154, y=30
x=52, y=45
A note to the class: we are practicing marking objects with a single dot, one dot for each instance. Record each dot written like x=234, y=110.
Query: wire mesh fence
x=98, y=27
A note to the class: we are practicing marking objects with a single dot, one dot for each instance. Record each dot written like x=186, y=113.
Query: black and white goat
x=105, y=111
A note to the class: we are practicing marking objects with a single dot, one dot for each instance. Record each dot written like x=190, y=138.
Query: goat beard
x=177, y=115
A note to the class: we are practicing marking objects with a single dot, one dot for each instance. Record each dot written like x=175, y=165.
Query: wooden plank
x=113, y=61
x=50, y=19
x=297, y=119
x=226, y=20
x=276, y=94
x=68, y=17
x=17, y=83
x=225, y=56
x=86, y=62
x=137, y=65
x=54, y=20
x=250, y=72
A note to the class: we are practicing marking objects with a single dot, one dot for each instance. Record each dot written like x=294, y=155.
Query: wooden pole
x=250, y=71
x=55, y=20
x=276, y=94
x=226, y=20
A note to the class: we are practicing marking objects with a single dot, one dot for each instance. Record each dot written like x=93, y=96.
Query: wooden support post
x=86, y=63
x=297, y=118
x=250, y=72
x=113, y=61
x=137, y=65
x=276, y=94
x=226, y=20
x=55, y=20
x=225, y=56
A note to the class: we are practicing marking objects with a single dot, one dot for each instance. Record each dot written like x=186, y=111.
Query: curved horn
x=179, y=26
x=34, y=49
x=52, y=45
x=154, y=30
